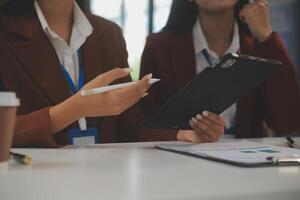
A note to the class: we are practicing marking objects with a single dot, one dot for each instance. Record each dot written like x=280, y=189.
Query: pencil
x=20, y=158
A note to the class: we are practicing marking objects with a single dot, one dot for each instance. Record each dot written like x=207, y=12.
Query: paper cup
x=8, y=108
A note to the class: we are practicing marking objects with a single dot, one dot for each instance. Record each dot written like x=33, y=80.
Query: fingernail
x=127, y=70
x=146, y=94
x=194, y=120
x=191, y=123
x=199, y=117
x=205, y=113
x=149, y=76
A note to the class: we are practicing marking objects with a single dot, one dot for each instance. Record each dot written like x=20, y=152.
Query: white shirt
x=67, y=54
x=200, y=44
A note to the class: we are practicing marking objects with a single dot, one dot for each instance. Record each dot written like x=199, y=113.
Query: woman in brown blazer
x=197, y=33
x=46, y=43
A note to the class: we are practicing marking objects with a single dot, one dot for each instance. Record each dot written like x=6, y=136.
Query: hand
x=257, y=17
x=113, y=102
x=106, y=104
x=209, y=126
x=190, y=136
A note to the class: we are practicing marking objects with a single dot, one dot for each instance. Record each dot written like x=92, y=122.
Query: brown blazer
x=171, y=57
x=30, y=67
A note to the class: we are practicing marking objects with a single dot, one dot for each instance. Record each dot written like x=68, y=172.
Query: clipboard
x=269, y=155
x=215, y=89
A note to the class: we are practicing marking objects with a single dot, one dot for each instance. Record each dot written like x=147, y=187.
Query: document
x=243, y=152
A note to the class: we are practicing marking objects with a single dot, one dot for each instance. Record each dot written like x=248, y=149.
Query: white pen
x=112, y=87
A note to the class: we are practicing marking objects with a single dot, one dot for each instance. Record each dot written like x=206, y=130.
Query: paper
x=239, y=152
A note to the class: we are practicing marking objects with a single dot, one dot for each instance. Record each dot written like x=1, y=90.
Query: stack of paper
x=240, y=153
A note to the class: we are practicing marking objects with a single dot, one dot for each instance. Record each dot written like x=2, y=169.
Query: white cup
x=8, y=108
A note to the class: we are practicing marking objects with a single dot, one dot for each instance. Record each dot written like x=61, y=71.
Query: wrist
x=180, y=135
x=264, y=36
x=61, y=116
x=73, y=106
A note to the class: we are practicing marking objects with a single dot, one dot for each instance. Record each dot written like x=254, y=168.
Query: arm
x=37, y=128
x=281, y=93
x=33, y=130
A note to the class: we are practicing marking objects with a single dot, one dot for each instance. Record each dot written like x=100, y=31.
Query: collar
x=200, y=42
x=80, y=21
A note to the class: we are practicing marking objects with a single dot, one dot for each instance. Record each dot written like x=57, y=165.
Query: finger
x=205, y=138
x=110, y=76
x=243, y=13
x=195, y=138
x=265, y=2
x=205, y=129
x=145, y=81
x=213, y=117
x=128, y=98
x=215, y=127
x=218, y=129
x=262, y=4
x=133, y=94
x=138, y=88
x=120, y=104
x=200, y=133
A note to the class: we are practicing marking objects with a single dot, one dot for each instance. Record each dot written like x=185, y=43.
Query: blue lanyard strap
x=206, y=56
x=75, y=88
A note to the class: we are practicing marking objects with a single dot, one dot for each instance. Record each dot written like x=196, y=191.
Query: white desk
x=138, y=172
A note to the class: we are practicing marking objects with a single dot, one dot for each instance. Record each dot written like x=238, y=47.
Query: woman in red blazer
x=198, y=33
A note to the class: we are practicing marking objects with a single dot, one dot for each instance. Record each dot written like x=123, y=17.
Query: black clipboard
x=215, y=89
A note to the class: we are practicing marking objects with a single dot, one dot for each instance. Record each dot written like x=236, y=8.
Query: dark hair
x=184, y=13
x=23, y=6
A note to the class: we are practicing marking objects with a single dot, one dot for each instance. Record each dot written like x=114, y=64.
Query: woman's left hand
x=257, y=17
x=209, y=125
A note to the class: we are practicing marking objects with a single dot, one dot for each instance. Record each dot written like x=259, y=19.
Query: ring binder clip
x=285, y=161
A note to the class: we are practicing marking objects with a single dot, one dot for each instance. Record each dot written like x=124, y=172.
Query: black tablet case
x=215, y=89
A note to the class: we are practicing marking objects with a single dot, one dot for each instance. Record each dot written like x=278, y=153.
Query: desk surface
x=139, y=171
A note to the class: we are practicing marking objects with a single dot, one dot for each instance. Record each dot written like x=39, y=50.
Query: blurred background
x=138, y=18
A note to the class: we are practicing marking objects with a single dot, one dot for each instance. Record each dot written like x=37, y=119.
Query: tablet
x=215, y=89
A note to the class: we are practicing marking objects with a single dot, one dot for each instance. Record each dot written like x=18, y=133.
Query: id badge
x=78, y=137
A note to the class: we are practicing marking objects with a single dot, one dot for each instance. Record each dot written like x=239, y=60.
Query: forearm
x=32, y=130
x=281, y=93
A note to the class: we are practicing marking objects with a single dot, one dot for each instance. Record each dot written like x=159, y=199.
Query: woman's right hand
x=110, y=103
x=113, y=102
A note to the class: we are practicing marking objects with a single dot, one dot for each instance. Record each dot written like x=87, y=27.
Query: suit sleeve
x=32, y=130
x=281, y=93
x=131, y=122
x=158, y=93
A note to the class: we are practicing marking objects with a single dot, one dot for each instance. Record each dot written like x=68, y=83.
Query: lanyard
x=206, y=56
x=75, y=88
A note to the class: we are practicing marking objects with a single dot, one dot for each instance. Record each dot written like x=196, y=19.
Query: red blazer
x=276, y=101
x=30, y=67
